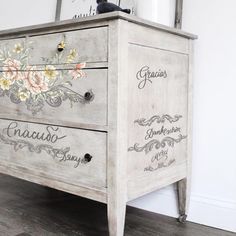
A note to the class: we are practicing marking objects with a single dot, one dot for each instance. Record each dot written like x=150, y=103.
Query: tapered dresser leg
x=116, y=218
x=183, y=199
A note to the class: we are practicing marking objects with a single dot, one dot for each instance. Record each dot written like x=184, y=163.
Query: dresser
x=99, y=107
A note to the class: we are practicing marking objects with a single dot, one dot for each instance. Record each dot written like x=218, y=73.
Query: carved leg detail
x=116, y=218
x=183, y=199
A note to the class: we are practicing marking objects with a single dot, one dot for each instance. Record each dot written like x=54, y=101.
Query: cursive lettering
x=49, y=135
x=163, y=131
x=64, y=155
x=144, y=75
x=160, y=156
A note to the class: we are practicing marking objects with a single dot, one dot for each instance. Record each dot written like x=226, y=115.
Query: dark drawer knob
x=61, y=46
x=87, y=157
x=88, y=96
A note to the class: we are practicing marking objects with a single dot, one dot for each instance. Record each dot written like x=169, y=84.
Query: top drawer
x=86, y=45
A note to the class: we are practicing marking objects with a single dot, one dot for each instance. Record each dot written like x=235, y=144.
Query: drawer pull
x=61, y=46
x=88, y=96
x=87, y=157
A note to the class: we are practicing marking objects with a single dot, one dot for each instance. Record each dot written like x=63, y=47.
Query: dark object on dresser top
x=105, y=7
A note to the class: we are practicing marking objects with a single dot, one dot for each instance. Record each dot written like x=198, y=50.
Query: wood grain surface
x=31, y=210
x=90, y=113
x=54, y=153
x=91, y=45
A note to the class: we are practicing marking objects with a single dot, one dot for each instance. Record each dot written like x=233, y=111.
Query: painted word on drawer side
x=158, y=91
x=69, y=155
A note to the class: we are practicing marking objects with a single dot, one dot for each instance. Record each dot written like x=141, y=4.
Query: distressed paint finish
x=79, y=111
x=55, y=152
x=184, y=185
x=136, y=129
x=158, y=88
x=36, y=86
x=91, y=45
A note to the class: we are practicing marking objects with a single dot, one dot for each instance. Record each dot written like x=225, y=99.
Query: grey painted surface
x=93, y=19
x=147, y=79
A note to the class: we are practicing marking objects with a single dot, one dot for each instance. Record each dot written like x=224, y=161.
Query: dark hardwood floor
x=28, y=209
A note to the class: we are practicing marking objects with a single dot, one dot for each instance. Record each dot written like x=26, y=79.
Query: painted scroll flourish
x=158, y=120
x=36, y=86
x=60, y=154
x=156, y=144
x=160, y=165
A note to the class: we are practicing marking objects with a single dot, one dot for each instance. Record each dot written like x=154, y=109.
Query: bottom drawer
x=69, y=155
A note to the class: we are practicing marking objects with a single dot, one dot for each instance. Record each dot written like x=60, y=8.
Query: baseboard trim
x=205, y=210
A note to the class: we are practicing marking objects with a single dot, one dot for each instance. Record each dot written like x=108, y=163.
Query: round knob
x=88, y=96
x=61, y=46
x=87, y=157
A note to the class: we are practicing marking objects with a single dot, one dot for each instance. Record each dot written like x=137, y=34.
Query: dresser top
x=60, y=25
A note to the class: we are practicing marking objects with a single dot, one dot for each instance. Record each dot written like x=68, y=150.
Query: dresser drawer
x=90, y=44
x=69, y=155
x=86, y=45
x=62, y=99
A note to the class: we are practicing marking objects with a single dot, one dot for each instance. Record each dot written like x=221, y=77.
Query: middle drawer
x=56, y=96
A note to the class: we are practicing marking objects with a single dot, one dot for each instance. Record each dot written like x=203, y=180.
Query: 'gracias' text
x=145, y=75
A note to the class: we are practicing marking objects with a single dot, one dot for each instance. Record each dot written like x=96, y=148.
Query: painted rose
x=11, y=69
x=35, y=86
x=77, y=72
x=34, y=81
x=5, y=84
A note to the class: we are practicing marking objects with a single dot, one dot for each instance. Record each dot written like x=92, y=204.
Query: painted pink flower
x=11, y=69
x=77, y=72
x=34, y=81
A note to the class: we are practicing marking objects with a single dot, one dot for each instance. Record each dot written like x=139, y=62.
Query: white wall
x=18, y=13
x=213, y=200
x=161, y=11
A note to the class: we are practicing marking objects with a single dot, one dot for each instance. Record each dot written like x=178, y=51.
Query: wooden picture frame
x=62, y=12
x=178, y=12
x=58, y=10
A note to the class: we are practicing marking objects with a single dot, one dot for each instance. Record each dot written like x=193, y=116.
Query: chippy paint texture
x=36, y=85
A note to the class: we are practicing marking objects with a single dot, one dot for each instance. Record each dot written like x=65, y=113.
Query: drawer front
x=66, y=98
x=90, y=45
x=69, y=155
x=87, y=45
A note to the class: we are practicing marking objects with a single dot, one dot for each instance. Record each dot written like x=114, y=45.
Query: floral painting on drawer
x=39, y=85
x=83, y=8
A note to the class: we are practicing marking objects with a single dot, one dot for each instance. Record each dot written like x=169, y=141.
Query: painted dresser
x=99, y=107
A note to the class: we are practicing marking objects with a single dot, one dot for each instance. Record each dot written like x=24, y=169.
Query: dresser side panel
x=148, y=37
x=157, y=114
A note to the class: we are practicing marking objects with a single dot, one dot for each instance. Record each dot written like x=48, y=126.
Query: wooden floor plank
x=28, y=209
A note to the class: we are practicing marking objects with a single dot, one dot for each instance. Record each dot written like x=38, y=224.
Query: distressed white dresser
x=99, y=107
